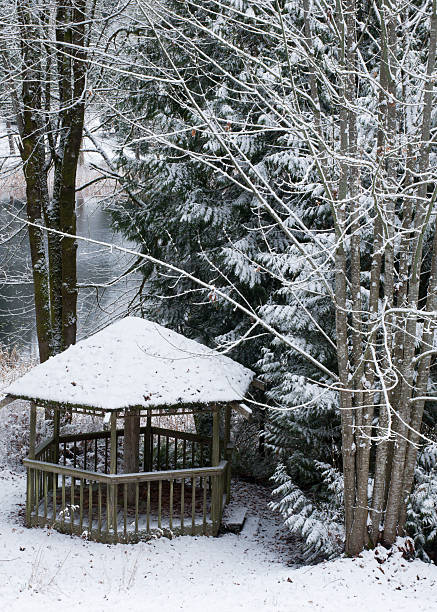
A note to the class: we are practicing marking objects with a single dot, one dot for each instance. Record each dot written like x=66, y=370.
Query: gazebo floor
x=157, y=516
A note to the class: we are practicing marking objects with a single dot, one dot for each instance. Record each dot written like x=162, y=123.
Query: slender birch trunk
x=398, y=478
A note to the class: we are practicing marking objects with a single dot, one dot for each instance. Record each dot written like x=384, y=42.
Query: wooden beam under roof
x=242, y=409
x=6, y=401
x=258, y=384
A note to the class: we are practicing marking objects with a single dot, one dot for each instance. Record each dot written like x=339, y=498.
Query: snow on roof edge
x=135, y=363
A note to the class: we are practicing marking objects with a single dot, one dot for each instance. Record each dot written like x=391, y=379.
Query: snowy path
x=40, y=570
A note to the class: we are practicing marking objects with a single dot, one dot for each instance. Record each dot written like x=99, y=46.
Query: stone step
x=251, y=527
x=233, y=518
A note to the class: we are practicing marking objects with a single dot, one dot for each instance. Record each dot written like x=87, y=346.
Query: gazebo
x=136, y=482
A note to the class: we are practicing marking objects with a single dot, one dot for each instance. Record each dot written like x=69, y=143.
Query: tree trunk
x=32, y=151
x=71, y=66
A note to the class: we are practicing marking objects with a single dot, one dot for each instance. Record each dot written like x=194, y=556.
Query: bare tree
x=47, y=51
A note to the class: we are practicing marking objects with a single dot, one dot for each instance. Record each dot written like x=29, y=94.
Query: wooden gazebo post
x=131, y=448
x=56, y=427
x=215, y=460
x=112, y=499
x=228, y=451
x=215, y=436
x=32, y=430
x=148, y=446
x=30, y=472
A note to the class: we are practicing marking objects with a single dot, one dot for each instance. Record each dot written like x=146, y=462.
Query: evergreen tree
x=422, y=507
x=186, y=212
x=195, y=216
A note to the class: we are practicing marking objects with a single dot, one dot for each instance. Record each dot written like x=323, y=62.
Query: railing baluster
x=219, y=499
x=85, y=451
x=72, y=504
x=171, y=505
x=106, y=455
x=55, y=490
x=166, y=452
x=37, y=494
x=213, y=506
x=90, y=507
x=176, y=453
x=46, y=483
x=148, y=508
x=116, y=453
x=193, y=504
x=80, y=505
x=115, y=508
x=205, y=486
x=184, y=454
x=29, y=497
x=192, y=454
x=108, y=508
x=95, y=454
x=99, y=509
x=65, y=452
x=63, y=502
x=34, y=489
x=125, y=509
x=182, y=504
x=159, y=504
x=137, y=504
x=74, y=453
x=159, y=453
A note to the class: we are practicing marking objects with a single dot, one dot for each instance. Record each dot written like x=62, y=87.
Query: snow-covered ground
x=43, y=570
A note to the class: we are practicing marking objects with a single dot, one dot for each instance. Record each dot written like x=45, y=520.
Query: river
x=95, y=265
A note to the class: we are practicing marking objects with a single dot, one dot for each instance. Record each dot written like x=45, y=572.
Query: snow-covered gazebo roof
x=135, y=363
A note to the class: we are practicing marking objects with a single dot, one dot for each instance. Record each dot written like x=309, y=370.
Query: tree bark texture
x=367, y=363
x=32, y=152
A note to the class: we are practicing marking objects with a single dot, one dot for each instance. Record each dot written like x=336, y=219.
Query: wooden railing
x=45, y=451
x=97, y=505
x=70, y=488
x=159, y=449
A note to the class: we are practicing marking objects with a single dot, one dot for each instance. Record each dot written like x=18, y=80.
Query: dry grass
x=14, y=418
x=180, y=422
x=13, y=365
x=100, y=189
x=12, y=183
